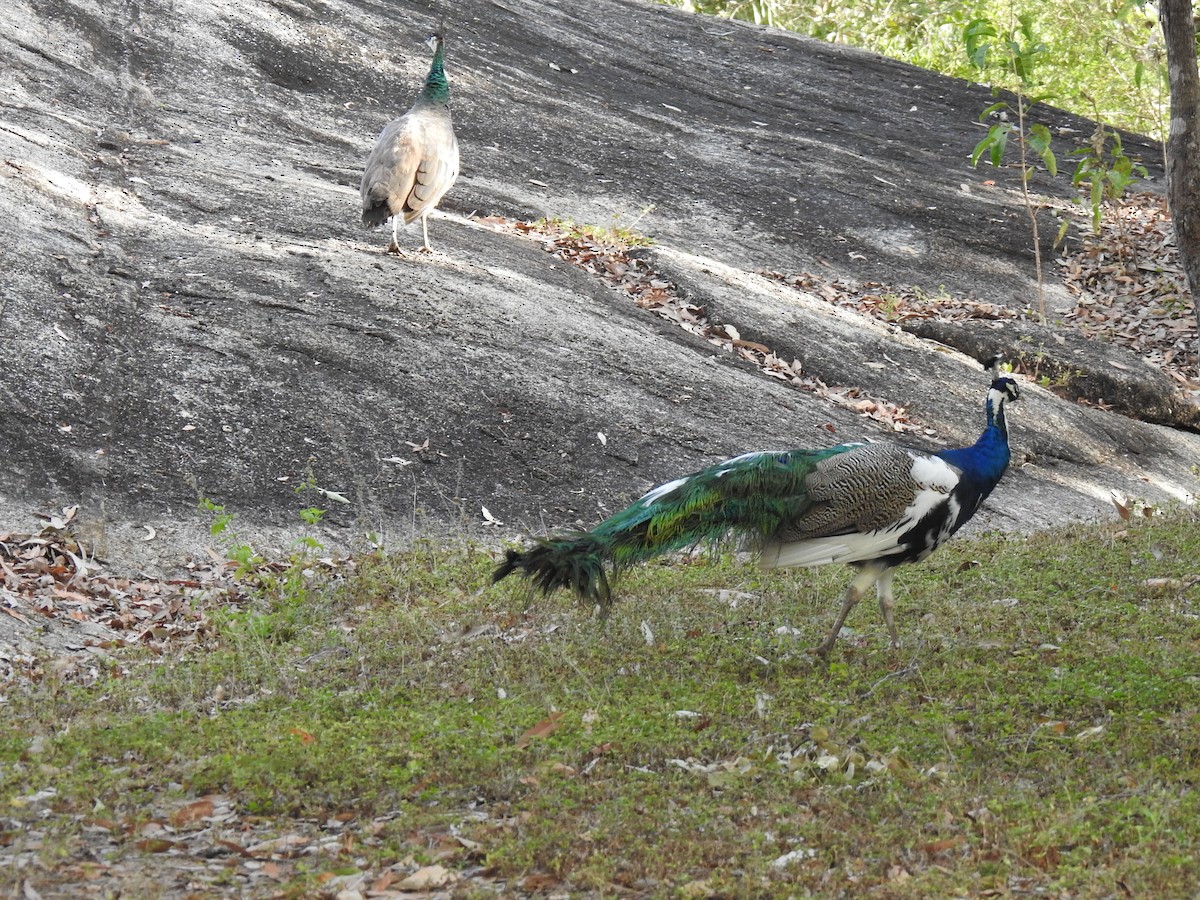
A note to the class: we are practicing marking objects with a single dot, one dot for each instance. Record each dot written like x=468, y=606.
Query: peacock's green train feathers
x=749, y=498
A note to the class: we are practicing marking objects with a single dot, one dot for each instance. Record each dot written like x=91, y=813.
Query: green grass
x=1040, y=730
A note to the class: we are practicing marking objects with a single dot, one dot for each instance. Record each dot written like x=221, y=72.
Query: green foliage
x=221, y=519
x=285, y=585
x=236, y=549
x=1020, y=51
x=1037, y=139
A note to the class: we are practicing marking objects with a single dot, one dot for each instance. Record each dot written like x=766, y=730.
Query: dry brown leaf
x=235, y=847
x=427, y=878
x=383, y=882
x=547, y=726
x=538, y=881
x=192, y=812
x=1122, y=510
x=154, y=845
x=943, y=845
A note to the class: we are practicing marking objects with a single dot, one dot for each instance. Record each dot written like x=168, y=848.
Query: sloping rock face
x=191, y=308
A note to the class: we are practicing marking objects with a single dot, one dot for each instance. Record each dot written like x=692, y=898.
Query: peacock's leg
x=394, y=246
x=867, y=576
x=886, y=601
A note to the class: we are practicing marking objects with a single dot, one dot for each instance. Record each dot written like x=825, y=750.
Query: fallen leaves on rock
x=1130, y=288
x=892, y=303
x=620, y=268
x=1127, y=282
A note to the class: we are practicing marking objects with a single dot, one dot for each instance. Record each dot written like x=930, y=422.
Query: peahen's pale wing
x=437, y=167
x=391, y=171
x=413, y=164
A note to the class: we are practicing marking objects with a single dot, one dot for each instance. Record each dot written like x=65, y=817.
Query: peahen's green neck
x=437, y=87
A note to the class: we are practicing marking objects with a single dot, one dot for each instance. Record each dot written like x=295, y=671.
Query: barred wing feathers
x=865, y=503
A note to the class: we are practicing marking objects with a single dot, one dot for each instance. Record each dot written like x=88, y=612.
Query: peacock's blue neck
x=984, y=461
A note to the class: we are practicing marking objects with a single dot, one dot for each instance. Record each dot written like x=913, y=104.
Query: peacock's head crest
x=1005, y=388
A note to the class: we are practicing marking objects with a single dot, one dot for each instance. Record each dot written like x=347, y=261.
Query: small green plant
x=1107, y=173
x=1016, y=54
x=221, y=519
x=889, y=307
x=1060, y=380
x=617, y=234
x=313, y=515
x=236, y=549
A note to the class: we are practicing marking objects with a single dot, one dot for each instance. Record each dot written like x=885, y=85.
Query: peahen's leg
x=394, y=246
x=425, y=231
x=886, y=601
x=867, y=576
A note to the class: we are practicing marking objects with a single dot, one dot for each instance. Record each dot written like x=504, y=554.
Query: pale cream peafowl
x=415, y=159
x=873, y=505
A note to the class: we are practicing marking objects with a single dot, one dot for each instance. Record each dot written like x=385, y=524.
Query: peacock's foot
x=821, y=650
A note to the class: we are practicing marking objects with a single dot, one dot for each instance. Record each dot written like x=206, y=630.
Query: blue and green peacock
x=873, y=505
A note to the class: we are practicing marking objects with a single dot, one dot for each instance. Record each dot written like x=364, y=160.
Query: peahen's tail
x=376, y=214
x=575, y=562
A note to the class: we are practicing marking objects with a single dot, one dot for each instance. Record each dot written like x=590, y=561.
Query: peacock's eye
x=782, y=459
